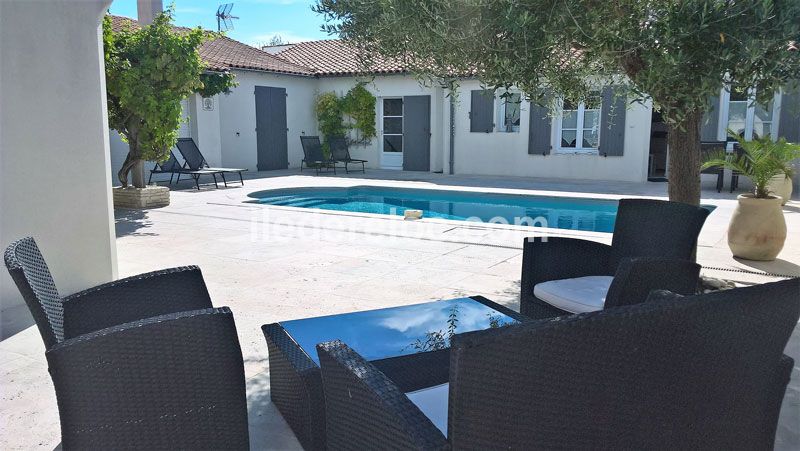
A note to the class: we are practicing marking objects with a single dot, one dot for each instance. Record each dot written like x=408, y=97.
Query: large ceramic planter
x=780, y=185
x=757, y=230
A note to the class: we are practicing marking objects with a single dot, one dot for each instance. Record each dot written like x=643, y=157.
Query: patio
x=275, y=263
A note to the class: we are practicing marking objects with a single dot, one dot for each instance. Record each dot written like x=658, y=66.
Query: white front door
x=392, y=133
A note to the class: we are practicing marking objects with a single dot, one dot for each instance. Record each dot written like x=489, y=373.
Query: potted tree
x=149, y=71
x=757, y=230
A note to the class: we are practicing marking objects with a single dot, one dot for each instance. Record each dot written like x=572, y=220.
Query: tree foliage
x=675, y=53
x=149, y=71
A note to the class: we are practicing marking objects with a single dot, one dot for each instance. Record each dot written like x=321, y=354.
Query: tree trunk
x=137, y=174
x=684, y=160
x=133, y=165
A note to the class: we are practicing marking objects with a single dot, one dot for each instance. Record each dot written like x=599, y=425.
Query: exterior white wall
x=226, y=134
x=205, y=128
x=393, y=86
x=237, y=117
x=500, y=153
x=54, y=148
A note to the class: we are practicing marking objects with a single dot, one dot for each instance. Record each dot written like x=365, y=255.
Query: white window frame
x=501, y=114
x=724, y=112
x=383, y=131
x=578, y=130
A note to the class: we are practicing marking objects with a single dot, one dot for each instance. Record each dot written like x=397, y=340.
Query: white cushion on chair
x=578, y=295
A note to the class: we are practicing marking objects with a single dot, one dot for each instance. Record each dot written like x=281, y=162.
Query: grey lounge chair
x=700, y=372
x=172, y=167
x=651, y=249
x=195, y=161
x=144, y=362
x=340, y=153
x=313, y=155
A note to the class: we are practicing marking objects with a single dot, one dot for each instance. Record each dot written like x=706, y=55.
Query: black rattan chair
x=663, y=233
x=313, y=157
x=700, y=372
x=340, y=153
x=139, y=363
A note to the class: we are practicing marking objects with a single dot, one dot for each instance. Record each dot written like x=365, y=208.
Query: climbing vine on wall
x=338, y=115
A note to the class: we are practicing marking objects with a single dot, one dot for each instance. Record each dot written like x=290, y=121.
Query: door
x=392, y=133
x=417, y=133
x=271, y=144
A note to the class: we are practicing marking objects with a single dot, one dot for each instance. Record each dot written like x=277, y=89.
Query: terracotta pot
x=780, y=185
x=757, y=230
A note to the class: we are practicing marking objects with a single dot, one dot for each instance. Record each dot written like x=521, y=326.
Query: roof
x=224, y=53
x=334, y=57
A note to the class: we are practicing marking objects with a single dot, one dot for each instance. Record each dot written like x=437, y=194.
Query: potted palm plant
x=757, y=230
x=781, y=184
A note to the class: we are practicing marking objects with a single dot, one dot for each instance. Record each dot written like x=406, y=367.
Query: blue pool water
x=556, y=212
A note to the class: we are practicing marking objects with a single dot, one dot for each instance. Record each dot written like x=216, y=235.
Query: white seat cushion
x=432, y=401
x=578, y=295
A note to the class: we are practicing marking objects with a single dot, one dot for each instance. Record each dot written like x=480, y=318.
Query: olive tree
x=674, y=53
x=149, y=71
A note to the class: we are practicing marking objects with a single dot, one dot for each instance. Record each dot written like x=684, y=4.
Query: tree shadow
x=131, y=222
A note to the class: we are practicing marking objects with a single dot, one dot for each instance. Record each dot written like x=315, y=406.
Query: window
x=392, y=125
x=747, y=118
x=579, y=126
x=508, y=113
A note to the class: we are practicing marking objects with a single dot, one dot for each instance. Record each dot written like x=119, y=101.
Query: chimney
x=147, y=10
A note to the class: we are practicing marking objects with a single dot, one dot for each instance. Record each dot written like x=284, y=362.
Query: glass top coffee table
x=400, y=341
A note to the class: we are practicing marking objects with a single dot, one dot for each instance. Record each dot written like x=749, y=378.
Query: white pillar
x=54, y=149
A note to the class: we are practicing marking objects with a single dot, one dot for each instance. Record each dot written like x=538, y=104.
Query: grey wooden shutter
x=539, y=131
x=789, y=123
x=612, y=123
x=481, y=115
x=709, y=127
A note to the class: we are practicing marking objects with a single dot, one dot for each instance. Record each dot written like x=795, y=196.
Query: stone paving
x=275, y=263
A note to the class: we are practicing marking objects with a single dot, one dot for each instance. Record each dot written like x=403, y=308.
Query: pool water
x=595, y=215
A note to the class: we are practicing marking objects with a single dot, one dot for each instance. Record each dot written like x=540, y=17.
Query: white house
x=487, y=134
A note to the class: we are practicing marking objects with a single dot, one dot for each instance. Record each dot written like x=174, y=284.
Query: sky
x=259, y=20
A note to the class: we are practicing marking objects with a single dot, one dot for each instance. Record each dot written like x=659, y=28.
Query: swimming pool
x=571, y=213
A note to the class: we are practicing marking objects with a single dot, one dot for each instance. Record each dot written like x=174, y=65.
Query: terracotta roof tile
x=334, y=57
x=224, y=53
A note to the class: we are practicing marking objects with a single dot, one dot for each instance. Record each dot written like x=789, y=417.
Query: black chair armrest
x=134, y=298
x=172, y=381
x=637, y=277
x=561, y=258
x=366, y=410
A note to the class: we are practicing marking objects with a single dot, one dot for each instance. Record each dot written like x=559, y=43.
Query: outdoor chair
x=144, y=362
x=171, y=167
x=652, y=248
x=340, y=153
x=707, y=151
x=313, y=155
x=195, y=161
x=697, y=372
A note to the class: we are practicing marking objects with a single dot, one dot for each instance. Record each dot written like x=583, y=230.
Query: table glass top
x=396, y=331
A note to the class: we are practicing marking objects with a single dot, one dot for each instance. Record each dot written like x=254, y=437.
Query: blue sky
x=258, y=21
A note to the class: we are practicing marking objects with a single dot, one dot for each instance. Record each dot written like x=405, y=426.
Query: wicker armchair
x=139, y=363
x=652, y=247
x=698, y=372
